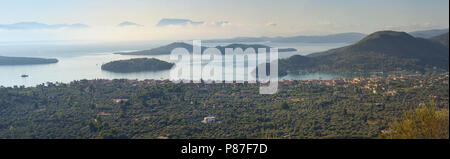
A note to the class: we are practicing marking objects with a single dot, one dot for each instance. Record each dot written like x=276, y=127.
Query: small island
x=137, y=65
x=25, y=61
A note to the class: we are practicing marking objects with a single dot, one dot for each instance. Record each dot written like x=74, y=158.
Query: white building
x=209, y=120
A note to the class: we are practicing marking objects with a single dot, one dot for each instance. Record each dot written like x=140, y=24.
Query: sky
x=220, y=18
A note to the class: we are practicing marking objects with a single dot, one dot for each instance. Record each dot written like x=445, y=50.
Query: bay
x=78, y=62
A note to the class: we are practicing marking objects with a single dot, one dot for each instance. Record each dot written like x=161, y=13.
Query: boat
x=24, y=76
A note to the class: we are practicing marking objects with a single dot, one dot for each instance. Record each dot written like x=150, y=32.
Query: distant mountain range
x=334, y=38
x=428, y=33
x=25, y=61
x=383, y=51
x=167, y=49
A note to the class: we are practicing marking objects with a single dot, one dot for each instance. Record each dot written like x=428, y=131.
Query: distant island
x=332, y=38
x=350, y=37
x=25, y=61
x=254, y=46
x=137, y=65
x=384, y=51
x=167, y=49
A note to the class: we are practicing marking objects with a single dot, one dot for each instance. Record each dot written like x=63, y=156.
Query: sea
x=83, y=60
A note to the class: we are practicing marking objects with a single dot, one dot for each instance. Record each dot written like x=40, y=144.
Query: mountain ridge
x=349, y=37
x=429, y=33
x=383, y=51
x=167, y=49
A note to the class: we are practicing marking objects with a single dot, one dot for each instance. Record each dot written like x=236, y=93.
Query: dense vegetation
x=167, y=49
x=25, y=61
x=425, y=122
x=137, y=65
x=152, y=109
x=384, y=51
x=443, y=39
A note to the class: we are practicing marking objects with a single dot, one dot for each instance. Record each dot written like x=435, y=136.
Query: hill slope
x=428, y=33
x=163, y=50
x=383, y=51
x=443, y=39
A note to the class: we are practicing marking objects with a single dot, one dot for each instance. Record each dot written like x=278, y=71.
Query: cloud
x=36, y=25
x=222, y=23
x=127, y=23
x=271, y=24
x=168, y=21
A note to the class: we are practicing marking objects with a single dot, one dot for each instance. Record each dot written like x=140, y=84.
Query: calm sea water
x=78, y=62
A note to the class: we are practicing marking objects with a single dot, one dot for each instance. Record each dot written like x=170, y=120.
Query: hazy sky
x=243, y=17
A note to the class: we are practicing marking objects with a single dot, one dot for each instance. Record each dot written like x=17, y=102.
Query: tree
x=424, y=122
x=285, y=106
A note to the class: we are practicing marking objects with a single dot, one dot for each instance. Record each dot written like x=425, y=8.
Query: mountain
x=428, y=33
x=383, y=51
x=137, y=65
x=167, y=49
x=25, y=61
x=254, y=46
x=163, y=50
x=240, y=40
x=443, y=39
x=334, y=38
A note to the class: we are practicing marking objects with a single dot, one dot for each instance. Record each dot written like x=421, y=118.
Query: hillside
x=443, y=39
x=25, y=61
x=137, y=65
x=167, y=49
x=383, y=51
x=150, y=109
x=428, y=33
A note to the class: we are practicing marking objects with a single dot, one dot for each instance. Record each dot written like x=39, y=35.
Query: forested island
x=341, y=108
x=167, y=49
x=25, y=61
x=137, y=65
